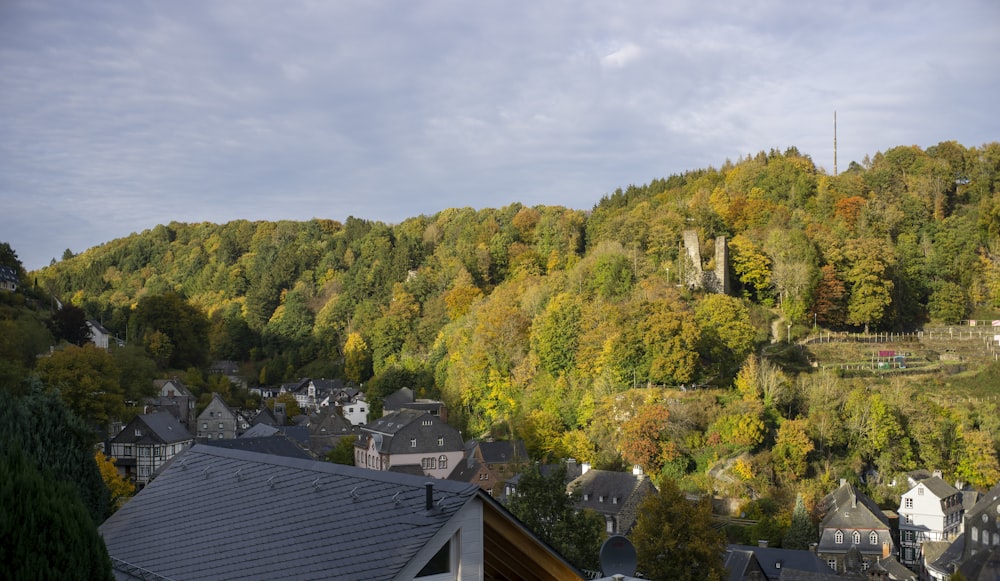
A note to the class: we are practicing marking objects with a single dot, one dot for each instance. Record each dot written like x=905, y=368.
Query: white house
x=148, y=442
x=929, y=511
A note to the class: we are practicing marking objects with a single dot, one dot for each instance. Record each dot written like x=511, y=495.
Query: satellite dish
x=618, y=557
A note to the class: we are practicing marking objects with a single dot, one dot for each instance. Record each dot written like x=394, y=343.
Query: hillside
x=541, y=321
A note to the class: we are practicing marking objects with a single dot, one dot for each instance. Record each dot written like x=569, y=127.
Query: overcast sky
x=117, y=116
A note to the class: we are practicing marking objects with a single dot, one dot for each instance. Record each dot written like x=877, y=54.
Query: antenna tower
x=834, y=143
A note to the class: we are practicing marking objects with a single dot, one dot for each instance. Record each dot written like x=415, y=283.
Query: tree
x=184, y=327
x=978, y=464
x=555, y=334
x=8, y=258
x=801, y=533
x=136, y=372
x=542, y=504
x=791, y=449
x=675, y=539
x=727, y=335
x=868, y=277
x=43, y=427
x=87, y=379
x=343, y=451
x=643, y=439
x=120, y=488
x=70, y=324
x=357, y=358
x=45, y=530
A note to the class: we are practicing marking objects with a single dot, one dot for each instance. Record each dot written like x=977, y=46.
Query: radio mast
x=834, y=143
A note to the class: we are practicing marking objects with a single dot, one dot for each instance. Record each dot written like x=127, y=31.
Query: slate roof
x=848, y=509
x=7, y=274
x=991, y=498
x=392, y=433
x=770, y=558
x=160, y=428
x=503, y=452
x=265, y=416
x=397, y=399
x=276, y=444
x=895, y=569
x=939, y=487
x=216, y=531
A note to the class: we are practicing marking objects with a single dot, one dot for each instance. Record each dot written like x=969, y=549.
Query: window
x=908, y=535
x=907, y=554
x=127, y=451
x=600, y=498
x=428, y=463
x=614, y=500
x=907, y=503
x=586, y=496
x=443, y=462
x=426, y=423
x=920, y=491
x=209, y=436
x=350, y=410
x=204, y=425
x=611, y=525
x=413, y=442
x=439, y=564
x=138, y=433
x=832, y=563
x=856, y=537
x=143, y=471
x=865, y=565
x=838, y=537
x=221, y=436
x=220, y=425
x=440, y=440
x=873, y=538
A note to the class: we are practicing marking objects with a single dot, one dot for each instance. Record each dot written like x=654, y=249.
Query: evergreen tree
x=45, y=530
x=46, y=431
x=801, y=533
x=542, y=504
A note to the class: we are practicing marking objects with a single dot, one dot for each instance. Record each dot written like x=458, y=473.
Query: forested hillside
x=571, y=329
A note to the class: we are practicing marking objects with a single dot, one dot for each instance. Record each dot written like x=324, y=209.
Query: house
x=409, y=438
x=931, y=510
x=573, y=471
x=264, y=440
x=101, y=337
x=853, y=522
x=350, y=523
x=764, y=563
x=146, y=443
x=490, y=464
x=982, y=524
x=230, y=369
x=9, y=279
x=613, y=495
x=326, y=428
x=218, y=421
x=404, y=398
x=352, y=407
x=174, y=397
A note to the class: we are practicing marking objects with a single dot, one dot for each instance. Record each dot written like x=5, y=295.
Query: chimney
x=937, y=473
x=584, y=468
x=762, y=543
x=637, y=472
x=429, y=502
x=843, y=481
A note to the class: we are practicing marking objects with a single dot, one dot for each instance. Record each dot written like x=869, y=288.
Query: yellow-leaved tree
x=119, y=488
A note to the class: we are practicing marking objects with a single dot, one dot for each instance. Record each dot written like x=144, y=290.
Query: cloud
x=117, y=116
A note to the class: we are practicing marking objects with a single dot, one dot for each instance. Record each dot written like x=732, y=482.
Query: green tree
x=182, y=324
x=36, y=511
x=136, y=372
x=343, y=451
x=555, y=334
x=542, y=504
x=70, y=324
x=644, y=438
x=87, y=379
x=802, y=532
x=50, y=435
x=868, y=277
x=675, y=539
x=727, y=335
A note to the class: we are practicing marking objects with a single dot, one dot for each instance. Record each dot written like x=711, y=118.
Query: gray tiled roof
x=160, y=428
x=277, y=444
x=939, y=487
x=771, y=557
x=348, y=523
x=503, y=452
x=608, y=492
x=393, y=432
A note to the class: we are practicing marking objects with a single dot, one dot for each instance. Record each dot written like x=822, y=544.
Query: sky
x=116, y=116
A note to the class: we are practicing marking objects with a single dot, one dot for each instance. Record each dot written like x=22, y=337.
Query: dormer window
x=427, y=423
x=440, y=440
x=873, y=538
x=586, y=496
x=838, y=537
x=856, y=537
x=600, y=498
x=614, y=500
x=413, y=442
